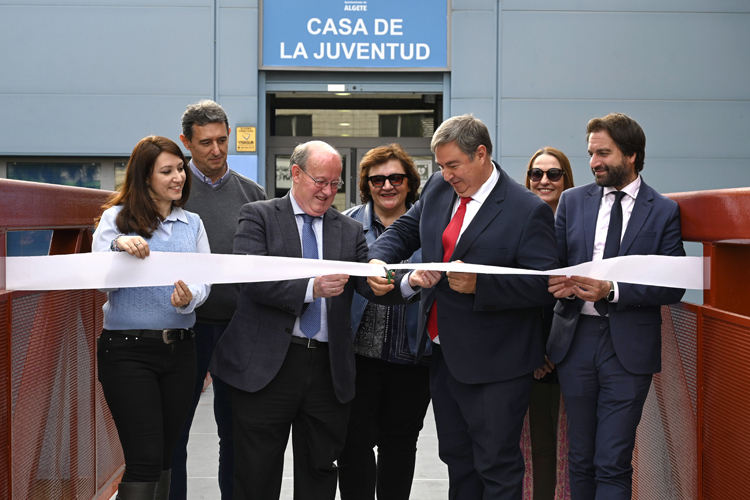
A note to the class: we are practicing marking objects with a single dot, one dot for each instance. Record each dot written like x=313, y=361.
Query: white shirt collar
x=295, y=206
x=177, y=214
x=631, y=189
x=484, y=191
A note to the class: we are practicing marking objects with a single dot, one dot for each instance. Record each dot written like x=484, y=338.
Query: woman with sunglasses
x=391, y=392
x=146, y=352
x=548, y=175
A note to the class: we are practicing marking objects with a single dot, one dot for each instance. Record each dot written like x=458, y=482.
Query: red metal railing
x=720, y=219
x=57, y=438
x=694, y=436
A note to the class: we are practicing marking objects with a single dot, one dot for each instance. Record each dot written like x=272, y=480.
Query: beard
x=616, y=176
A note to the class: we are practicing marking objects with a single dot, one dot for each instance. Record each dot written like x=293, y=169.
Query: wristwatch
x=611, y=294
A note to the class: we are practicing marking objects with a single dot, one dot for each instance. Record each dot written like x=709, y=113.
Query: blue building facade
x=82, y=81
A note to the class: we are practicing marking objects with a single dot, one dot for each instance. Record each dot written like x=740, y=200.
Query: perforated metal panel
x=4, y=396
x=685, y=325
x=666, y=460
x=726, y=410
x=57, y=418
x=108, y=449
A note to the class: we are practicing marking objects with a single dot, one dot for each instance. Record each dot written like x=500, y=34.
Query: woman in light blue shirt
x=146, y=352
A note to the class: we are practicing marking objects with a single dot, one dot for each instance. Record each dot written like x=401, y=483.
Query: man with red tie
x=487, y=329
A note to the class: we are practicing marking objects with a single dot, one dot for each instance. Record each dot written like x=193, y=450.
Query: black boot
x=162, y=490
x=136, y=491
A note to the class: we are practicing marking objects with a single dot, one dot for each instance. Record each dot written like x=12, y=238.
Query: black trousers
x=479, y=431
x=148, y=386
x=301, y=396
x=544, y=408
x=388, y=412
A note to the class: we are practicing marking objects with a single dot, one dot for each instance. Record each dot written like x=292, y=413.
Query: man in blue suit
x=487, y=329
x=606, y=336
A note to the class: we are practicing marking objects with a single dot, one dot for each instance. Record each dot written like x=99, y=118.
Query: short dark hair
x=384, y=154
x=562, y=160
x=202, y=113
x=626, y=133
x=466, y=131
x=139, y=213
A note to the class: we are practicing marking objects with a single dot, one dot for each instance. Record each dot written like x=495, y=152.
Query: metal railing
x=57, y=438
x=58, y=441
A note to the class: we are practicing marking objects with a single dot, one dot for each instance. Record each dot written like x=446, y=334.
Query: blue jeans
x=206, y=338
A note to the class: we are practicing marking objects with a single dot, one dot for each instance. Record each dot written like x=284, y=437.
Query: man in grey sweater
x=217, y=195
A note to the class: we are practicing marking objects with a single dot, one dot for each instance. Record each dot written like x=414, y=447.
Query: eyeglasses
x=553, y=174
x=319, y=183
x=379, y=180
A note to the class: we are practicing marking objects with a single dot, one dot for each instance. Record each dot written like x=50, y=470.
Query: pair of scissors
x=390, y=275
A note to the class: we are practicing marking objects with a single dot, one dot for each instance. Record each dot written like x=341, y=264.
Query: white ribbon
x=120, y=270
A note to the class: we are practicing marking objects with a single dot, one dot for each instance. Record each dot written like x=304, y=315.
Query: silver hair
x=466, y=131
x=202, y=113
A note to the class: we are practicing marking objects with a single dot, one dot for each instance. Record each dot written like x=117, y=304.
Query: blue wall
x=91, y=78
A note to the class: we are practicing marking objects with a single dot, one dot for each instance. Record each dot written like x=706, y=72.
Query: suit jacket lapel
x=591, y=206
x=288, y=227
x=332, y=238
x=447, y=200
x=490, y=209
x=331, y=235
x=638, y=217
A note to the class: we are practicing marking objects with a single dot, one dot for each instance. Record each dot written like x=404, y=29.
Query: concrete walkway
x=430, y=477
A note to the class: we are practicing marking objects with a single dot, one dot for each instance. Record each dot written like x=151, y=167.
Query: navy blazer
x=253, y=347
x=494, y=334
x=635, y=320
x=364, y=214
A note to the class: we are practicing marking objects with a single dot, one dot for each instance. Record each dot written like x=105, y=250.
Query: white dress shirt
x=602, y=224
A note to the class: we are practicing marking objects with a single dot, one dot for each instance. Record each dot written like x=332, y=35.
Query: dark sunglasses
x=379, y=180
x=553, y=174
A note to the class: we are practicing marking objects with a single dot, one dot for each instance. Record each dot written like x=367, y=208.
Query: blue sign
x=355, y=33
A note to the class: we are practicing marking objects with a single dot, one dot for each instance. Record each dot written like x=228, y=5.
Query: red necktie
x=450, y=237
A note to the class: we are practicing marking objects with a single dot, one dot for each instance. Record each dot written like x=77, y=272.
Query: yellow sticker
x=245, y=139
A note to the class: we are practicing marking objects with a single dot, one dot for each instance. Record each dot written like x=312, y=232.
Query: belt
x=309, y=343
x=168, y=335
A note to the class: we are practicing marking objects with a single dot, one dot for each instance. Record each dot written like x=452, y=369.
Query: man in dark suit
x=606, y=336
x=487, y=328
x=288, y=353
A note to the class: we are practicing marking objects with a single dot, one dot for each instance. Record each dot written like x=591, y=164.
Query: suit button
x=288, y=330
x=438, y=287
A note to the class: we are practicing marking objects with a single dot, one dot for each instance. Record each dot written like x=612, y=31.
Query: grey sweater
x=219, y=208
